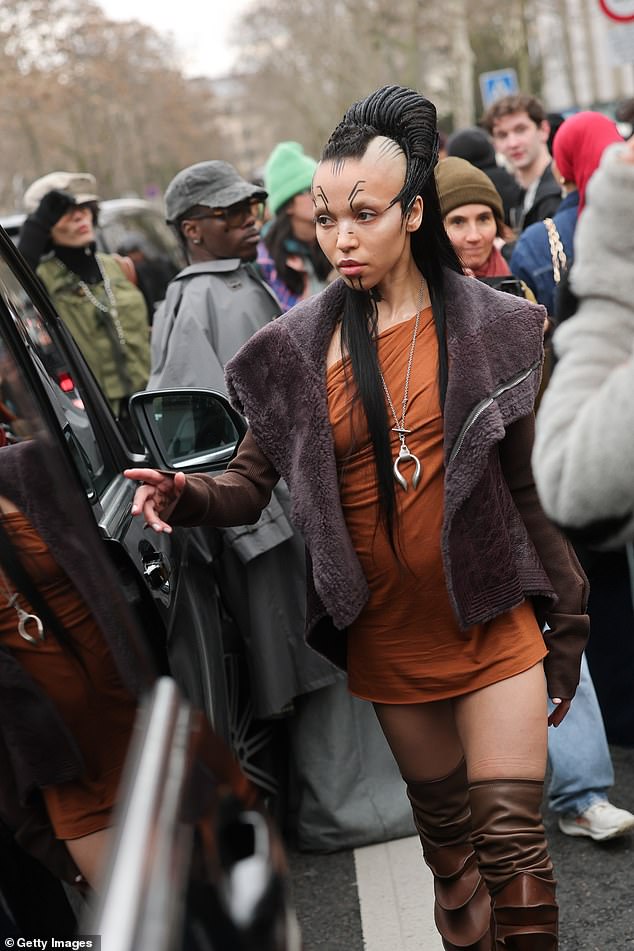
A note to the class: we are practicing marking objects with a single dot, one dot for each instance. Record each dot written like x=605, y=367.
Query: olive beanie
x=461, y=183
x=288, y=172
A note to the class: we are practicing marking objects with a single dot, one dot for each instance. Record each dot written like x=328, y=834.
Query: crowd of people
x=380, y=318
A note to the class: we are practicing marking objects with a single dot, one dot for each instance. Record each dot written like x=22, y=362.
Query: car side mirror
x=188, y=429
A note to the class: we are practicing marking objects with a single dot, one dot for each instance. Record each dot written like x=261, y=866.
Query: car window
x=62, y=390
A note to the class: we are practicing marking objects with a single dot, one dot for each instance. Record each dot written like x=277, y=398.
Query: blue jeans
x=578, y=753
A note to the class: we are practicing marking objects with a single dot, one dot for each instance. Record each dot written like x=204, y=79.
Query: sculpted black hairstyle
x=400, y=114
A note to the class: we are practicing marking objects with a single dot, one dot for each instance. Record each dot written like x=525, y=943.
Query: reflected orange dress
x=406, y=645
x=91, y=700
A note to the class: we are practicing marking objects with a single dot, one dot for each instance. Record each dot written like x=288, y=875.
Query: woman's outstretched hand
x=157, y=495
x=561, y=709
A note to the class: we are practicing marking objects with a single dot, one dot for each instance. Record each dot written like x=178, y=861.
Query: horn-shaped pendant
x=23, y=619
x=404, y=455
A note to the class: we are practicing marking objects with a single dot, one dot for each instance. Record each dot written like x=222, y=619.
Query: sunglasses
x=235, y=215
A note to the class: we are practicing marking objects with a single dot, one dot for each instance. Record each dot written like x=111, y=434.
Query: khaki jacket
x=120, y=369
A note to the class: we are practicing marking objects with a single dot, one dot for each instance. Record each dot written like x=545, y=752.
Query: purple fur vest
x=277, y=381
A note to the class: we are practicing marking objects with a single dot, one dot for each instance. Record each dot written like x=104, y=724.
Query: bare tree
x=81, y=91
x=309, y=59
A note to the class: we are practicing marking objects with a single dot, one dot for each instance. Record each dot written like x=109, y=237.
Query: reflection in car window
x=18, y=417
x=63, y=394
x=190, y=425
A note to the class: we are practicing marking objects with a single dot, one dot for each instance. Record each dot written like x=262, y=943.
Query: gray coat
x=584, y=448
x=210, y=310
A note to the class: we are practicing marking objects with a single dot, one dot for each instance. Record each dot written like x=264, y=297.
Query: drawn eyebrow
x=355, y=190
x=320, y=193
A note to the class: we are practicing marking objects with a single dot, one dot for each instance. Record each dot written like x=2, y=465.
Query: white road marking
x=396, y=897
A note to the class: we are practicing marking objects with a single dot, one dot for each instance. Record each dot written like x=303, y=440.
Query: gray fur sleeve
x=584, y=449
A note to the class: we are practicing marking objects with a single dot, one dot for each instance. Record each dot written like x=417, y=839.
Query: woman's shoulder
x=531, y=248
x=109, y=261
x=53, y=274
x=537, y=233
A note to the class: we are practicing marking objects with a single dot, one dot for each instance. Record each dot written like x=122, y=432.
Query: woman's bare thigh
x=89, y=853
x=503, y=727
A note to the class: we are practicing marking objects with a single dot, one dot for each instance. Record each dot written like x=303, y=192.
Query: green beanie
x=288, y=172
x=461, y=183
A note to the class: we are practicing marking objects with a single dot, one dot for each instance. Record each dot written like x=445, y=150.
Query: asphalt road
x=596, y=886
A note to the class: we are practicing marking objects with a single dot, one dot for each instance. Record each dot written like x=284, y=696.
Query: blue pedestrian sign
x=497, y=83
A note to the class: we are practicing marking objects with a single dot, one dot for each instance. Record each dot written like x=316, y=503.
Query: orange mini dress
x=89, y=696
x=406, y=645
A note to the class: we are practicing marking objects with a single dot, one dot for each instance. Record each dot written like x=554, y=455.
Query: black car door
x=166, y=579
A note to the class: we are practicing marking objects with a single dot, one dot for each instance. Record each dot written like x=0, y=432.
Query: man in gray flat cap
x=216, y=303
x=212, y=307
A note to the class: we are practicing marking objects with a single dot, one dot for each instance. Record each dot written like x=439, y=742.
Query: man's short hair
x=509, y=105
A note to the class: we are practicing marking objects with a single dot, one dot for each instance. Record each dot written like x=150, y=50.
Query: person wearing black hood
x=93, y=295
x=475, y=146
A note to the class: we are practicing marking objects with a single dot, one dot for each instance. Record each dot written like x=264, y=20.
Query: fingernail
x=156, y=527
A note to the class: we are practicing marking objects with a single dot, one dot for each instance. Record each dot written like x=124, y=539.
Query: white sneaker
x=600, y=821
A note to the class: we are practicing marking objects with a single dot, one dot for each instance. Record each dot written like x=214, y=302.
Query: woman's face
x=75, y=229
x=472, y=230
x=359, y=228
x=301, y=211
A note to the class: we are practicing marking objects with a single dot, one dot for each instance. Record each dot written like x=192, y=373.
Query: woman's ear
x=414, y=215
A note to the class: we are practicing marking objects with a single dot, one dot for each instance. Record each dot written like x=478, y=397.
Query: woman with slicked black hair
x=397, y=404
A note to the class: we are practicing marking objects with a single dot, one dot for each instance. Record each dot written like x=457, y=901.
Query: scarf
x=578, y=146
x=494, y=266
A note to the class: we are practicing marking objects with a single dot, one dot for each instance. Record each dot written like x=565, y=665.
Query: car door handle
x=156, y=568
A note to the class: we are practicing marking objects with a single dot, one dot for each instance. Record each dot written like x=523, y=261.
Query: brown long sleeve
x=236, y=497
x=568, y=622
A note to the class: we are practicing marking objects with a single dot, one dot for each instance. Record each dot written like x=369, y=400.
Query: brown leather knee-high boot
x=442, y=817
x=508, y=836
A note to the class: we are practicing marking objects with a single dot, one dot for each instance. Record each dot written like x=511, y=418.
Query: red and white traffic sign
x=621, y=11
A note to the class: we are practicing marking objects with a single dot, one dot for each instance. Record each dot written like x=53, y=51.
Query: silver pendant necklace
x=111, y=307
x=24, y=617
x=404, y=455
